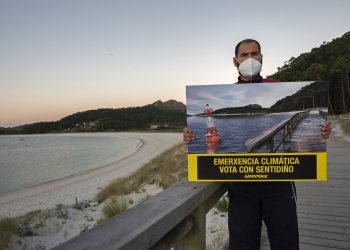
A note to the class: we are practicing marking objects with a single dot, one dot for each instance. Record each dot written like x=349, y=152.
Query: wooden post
x=269, y=145
x=195, y=239
x=289, y=129
x=176, y=237
x=284, y=133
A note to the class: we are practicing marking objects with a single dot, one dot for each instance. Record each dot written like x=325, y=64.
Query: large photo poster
x=257, y=132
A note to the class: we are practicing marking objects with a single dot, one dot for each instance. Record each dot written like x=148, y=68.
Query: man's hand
x=188, y=135
x=326, y=129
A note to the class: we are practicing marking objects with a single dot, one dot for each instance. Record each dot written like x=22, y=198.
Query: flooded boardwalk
x=324, y=207
x=306, y=137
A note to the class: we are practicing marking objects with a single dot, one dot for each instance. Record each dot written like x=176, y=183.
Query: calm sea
x=28, y=160
x=234, y=131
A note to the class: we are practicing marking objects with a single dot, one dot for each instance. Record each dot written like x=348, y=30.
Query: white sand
x=85, y=186
x=50, y=229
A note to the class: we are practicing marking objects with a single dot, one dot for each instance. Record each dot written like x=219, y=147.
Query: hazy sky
x=58, y=57
x=238, y=95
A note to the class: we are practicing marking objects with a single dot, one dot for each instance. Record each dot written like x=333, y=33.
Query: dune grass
x=16, y=225
x=7, y=229
x=222, y=204
x=165, y=170
x=114, y=206
x=216, y=240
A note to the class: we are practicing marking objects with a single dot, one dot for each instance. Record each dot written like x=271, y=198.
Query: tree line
x=123, y=119
x=310, y=96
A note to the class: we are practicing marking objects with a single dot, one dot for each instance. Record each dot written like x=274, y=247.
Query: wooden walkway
x=324, y=207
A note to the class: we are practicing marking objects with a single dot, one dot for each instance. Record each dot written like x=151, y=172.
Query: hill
x=313, y=95
x=170, y=105
x=159, y=115
x=251, y=108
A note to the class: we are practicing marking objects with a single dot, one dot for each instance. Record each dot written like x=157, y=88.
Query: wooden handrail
x=177, y=213
x=267, y=136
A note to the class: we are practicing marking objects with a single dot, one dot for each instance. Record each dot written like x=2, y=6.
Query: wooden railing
x=267, y=137
x=345, y=123
x=175, y=217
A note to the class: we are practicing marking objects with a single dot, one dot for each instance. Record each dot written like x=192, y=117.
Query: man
x=248, y=60
x=254, y=202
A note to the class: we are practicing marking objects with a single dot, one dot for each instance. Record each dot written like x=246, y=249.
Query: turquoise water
x=29, y=160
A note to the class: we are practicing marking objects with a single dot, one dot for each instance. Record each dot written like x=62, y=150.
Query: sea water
x=29, y=160
x=235, y=131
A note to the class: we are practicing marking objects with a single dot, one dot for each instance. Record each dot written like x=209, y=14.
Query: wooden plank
x=336, y=211
x=331, y=230
x=330, y=219
x=335, y=244
x=309, y=241
x=308, y=199
x=316, y=233
x=331, y=183
x=317, y=247
x=324, y=207
x=325, y=189
x=323, y=204
x=326, y=224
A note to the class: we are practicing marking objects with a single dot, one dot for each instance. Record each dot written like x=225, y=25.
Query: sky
x=238, y=95
x=58, y=57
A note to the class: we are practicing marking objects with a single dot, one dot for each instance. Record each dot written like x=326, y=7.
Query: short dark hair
x=246, y=41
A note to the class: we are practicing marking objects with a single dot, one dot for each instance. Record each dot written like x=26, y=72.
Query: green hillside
x=159, y=115
x=329, y=62
x=251, y=108
x=310, y=96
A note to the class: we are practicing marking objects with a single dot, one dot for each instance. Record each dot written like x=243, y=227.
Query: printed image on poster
x=257, y=132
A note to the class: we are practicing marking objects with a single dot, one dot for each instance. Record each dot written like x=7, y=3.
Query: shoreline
x=85, y=185
x=138, y=146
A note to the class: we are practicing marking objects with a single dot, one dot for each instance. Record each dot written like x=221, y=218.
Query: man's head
x=248, y=49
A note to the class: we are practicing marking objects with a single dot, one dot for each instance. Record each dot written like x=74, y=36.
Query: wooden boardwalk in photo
x=324, y=207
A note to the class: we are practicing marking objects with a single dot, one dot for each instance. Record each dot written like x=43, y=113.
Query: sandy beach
x=85, y=186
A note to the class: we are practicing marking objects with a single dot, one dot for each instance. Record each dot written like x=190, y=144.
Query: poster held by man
x=257, y=132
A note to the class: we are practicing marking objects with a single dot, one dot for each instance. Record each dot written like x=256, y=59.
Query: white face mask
x=250, y=68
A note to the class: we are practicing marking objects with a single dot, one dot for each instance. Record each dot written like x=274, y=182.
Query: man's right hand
x=188, y=135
